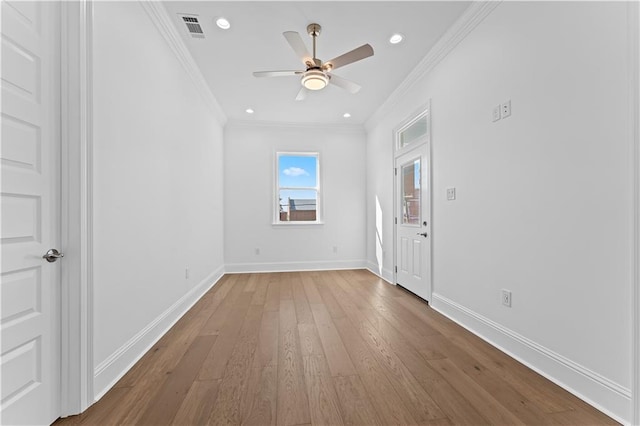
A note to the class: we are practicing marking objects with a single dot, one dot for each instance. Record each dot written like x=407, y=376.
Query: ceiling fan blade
x=302, y=94
x=348, y=85
x=357, y=54
x=296, y=43
x=276, y=73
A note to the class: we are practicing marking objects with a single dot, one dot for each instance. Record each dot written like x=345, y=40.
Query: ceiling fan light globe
x=315, y=83
x=314, y=80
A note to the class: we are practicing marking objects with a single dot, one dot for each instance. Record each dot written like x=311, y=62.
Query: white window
x=415, y=131
x=297, y=187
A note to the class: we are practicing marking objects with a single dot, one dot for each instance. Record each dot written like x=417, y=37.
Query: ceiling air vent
x=193, y=26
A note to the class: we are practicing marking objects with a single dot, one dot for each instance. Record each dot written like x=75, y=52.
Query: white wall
x=544, y=197
x=249, y=166
x=157, y=192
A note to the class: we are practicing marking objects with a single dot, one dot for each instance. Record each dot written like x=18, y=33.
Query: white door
x=413, y=228
x=30, y=150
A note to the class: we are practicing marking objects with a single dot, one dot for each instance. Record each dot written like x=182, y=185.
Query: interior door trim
x=634, y=100
x=76, y=369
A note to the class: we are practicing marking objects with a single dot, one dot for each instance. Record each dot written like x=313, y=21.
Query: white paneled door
x=30, y=150
x=413, y=245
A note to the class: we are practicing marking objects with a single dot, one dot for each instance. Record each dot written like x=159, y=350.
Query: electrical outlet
x=451, y=194
x=335, y=249
x=506, y=297
x=257, y=251
x=505, y=109
x=496, y=113
x=186, y=273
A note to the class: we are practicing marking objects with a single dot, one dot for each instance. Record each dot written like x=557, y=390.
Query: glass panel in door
x=411, y=203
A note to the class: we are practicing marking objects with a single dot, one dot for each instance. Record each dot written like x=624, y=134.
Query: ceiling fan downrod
x=314, y=31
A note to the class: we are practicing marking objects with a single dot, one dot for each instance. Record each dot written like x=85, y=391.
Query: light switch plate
x=506, y=297
x=496, y=113
x=451, y=194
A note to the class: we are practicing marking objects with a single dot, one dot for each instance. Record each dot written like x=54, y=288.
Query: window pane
x=298, y=171
x=414, y=132
x=297, y=205
x=298, y=187
x=411, y=193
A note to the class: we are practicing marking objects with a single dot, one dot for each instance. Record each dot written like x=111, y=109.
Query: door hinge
x=395, y=219
x=395, y=171
x=396, y=269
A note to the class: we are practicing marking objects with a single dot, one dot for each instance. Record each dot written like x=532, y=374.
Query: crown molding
x=163, y=23
x=343, y=128
x=467, y=22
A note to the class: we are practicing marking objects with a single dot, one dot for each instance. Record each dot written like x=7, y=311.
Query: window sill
x=296, y=224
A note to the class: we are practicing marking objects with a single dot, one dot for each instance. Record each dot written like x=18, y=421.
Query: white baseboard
x=383, y=273
x=600, y=392
x=109, y=371
x=323, y=265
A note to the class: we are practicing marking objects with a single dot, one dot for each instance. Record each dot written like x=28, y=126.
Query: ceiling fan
x=318, y=74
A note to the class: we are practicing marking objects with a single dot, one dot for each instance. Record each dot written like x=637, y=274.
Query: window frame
x=277, y=188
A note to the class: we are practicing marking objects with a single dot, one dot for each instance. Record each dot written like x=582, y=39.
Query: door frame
x=76, y=310
x=634, y=111
x=423, y=111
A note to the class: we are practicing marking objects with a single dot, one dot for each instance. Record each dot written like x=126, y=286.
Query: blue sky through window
x=297, y=171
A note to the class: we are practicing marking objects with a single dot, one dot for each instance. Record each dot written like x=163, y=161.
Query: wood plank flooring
x=327, y=348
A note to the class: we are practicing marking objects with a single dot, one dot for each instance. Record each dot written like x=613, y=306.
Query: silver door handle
x=424, y=234
x=52, y=255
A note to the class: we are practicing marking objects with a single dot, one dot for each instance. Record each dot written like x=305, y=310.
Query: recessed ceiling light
x=223, y=23
x=249, y=111
x=396, y=38
x=346, y=115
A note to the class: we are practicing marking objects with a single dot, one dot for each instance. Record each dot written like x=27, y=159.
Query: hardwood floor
x=327, y=348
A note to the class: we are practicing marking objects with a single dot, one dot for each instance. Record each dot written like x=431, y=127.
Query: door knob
x=424, y=234
x=52, y=255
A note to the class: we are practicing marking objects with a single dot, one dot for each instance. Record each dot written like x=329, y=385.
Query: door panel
x=404, y=255
x=417, y=255
x=29, y=166
x=412, y=205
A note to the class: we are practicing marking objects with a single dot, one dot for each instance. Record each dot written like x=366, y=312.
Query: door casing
x=77, y=205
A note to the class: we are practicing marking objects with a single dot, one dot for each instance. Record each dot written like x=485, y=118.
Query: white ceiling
x=255, y=43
